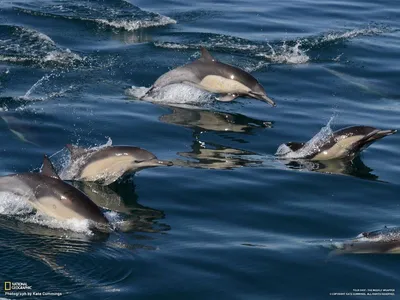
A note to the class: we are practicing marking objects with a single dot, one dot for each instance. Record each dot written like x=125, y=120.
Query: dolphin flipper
x=148, y=92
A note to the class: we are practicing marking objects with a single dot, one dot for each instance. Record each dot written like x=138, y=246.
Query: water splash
x=37, y=84
x=312, y=146
x=286, y=54
x=136, y=24
x=69, y=169
x=173, y=94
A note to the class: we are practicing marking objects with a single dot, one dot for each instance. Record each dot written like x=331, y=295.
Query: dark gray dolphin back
x=354, y=130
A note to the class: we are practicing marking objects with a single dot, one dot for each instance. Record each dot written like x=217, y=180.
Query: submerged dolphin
x=344, y=143
x=208, y=74
x=50, y=195
x=109, y=163
x=379, y=241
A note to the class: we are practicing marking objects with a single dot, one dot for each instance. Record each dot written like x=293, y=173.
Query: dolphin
x=49, y=195
x=344, y=143
x=20, y=128
x=385, y=241
x=207, y=73
x=108, y=164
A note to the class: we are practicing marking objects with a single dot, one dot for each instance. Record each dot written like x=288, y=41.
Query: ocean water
x=229, y=220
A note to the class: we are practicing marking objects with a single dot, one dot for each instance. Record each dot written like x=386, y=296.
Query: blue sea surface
x=229, y=220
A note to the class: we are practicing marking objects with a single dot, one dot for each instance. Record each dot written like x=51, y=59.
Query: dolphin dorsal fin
x=75, y=151
x=205, y=55
x=48, y=168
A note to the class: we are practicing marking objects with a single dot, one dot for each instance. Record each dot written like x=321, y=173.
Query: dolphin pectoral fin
x=148, y=92
x=48, y=168
x=227, y=97
x=110, y=179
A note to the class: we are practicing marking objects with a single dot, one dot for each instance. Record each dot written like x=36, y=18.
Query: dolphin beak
x=262, y=97
x=165, y=163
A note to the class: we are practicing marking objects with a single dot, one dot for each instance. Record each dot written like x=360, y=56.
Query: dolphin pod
x=52, y=196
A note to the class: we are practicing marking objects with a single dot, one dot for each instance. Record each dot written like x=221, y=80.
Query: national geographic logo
x=13, y=286
x=7, y=285
x=22, y=289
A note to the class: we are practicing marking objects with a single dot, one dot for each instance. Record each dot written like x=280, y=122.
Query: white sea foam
x=28, y=45
x=334, y=36
x=287, y=52
x=132, y=25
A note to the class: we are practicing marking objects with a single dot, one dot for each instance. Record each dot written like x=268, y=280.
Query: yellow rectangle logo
x=7, y=285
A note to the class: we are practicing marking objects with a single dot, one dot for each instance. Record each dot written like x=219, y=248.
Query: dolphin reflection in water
x=219, y=158
x=211, y=120
x=121, y=197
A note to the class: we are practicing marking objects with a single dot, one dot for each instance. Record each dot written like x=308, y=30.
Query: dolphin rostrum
x=107, y=164
x=344, y=143
x=209, y=74
x=49, y=195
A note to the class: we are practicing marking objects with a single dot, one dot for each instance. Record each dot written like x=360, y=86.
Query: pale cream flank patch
x=107, y=167
x=53, y=207
x=218, y=84
x=339, y=150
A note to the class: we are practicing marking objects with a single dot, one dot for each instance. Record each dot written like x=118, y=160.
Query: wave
x=28, y=46
x=281, y=52
x=117, y=15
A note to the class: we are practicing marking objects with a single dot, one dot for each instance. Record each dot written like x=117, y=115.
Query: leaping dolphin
x=107, y=164
x=209, y=74
x=50, y=195
x=344, y=143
